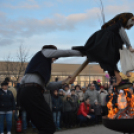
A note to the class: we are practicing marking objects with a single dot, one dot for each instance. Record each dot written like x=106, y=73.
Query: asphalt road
x=96, y=129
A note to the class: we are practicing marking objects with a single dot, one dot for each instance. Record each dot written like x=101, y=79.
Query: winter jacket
x=74, y=102
x=67, y=92
x=56, y=103
x=7, y=102
x=14, y=92
x=83, y=110
x=80, y=95
x=97, y=109
x=103, y=95
x=67, y=104
x=61, y=97
x=93, y=95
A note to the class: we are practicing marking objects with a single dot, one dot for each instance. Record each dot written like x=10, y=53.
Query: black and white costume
x=104, y=45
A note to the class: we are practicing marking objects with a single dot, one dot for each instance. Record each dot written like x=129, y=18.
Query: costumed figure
x=104, y=45
x=33, y=83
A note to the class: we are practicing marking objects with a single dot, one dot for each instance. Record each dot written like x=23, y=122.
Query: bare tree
x=15, y=67
x=21, y=58
x=6, y=66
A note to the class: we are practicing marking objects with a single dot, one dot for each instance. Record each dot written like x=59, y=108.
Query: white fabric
x=130, y=22
x=124, y=37
x=121, y=91
x=4, y=90
x=68, y=92
x=34, y=78
x=126, y=60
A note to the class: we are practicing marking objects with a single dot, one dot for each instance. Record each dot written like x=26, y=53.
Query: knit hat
x=66, y=85
x=95, y=101
x=60, y=90
x=121, y=91
x=4, y=84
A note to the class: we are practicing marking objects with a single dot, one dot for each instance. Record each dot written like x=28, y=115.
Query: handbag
x=126, y=60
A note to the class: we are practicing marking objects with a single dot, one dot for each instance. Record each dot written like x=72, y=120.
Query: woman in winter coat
x=83, y=114
x=79, y=93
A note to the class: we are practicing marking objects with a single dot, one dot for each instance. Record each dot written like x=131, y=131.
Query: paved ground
x=96, y=129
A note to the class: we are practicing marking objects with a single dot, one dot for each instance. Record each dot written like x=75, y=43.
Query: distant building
x=92, y=72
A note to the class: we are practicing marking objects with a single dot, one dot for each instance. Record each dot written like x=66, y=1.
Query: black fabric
x=67, y=118
x=104, y=110
x=56, y=103
x=103, y=47
x=7, y=102
x=38, y=110
x=41, y=65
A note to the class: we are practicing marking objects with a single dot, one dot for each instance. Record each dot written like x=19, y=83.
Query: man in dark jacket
x=36, y=78
x=7, y=107
x=56, y=108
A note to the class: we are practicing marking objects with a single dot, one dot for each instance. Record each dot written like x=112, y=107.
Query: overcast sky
x=64, y=23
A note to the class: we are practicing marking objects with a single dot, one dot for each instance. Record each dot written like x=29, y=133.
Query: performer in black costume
x=35, y=80
x=103, y=46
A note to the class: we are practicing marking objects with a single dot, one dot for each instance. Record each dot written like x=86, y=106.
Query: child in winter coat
x=56, y=108
x=97, y=111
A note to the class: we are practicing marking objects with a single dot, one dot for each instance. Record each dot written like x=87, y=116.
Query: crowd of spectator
x=71, y=106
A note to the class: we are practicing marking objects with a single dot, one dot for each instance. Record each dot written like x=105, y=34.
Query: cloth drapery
x=126, y=60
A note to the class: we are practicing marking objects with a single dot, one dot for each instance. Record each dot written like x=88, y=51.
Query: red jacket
x=83, y=110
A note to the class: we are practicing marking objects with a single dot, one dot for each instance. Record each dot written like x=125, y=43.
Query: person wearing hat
x=97, y=111
x=66, y=89
x=121, y=100
x=35, y=80
x=7, y=107
x=104, y=45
